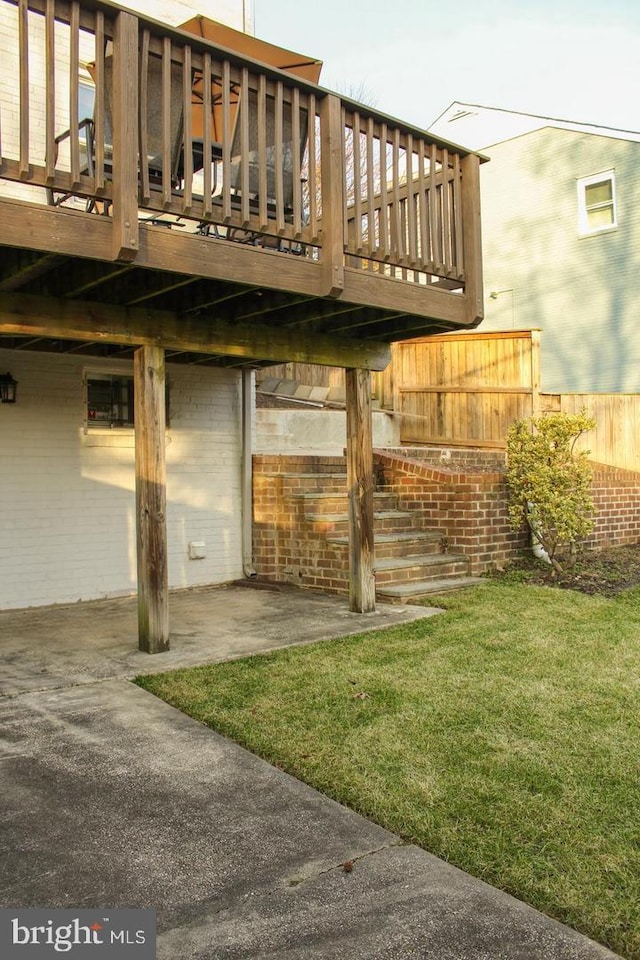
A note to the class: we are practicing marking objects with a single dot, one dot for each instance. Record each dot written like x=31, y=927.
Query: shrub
x=550, y=483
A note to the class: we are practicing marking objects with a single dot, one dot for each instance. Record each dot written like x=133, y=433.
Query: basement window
x=109, y=400
x=597, y=203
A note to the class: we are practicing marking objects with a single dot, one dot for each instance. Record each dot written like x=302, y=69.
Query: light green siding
x=582, y=292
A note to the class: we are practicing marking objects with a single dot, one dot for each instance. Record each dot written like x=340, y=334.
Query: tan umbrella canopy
x=247, y=46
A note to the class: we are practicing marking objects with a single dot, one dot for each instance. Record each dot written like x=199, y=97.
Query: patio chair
x=86, y=128
x=252, y=159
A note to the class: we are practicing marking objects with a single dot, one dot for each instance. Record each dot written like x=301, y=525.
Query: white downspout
x=247, y=473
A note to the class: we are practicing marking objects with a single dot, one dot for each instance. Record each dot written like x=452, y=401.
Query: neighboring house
x=151, y=269
x=561, y=240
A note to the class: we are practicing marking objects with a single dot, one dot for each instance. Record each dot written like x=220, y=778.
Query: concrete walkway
x=113, y=798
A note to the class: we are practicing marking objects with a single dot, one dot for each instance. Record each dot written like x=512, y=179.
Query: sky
x=410, y=59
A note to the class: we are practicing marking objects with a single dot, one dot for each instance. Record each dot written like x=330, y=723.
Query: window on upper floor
x=597, y=203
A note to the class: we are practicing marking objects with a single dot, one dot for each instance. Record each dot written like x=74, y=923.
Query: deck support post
x=332, y=173
x=362, y=587
x=126, y=242
x=151, y=498
x=472, y=240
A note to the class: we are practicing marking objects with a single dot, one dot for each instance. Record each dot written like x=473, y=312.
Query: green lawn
x=502, y=735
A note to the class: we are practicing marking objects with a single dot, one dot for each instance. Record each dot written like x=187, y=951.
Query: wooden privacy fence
x=465, y=390
x=616, y=438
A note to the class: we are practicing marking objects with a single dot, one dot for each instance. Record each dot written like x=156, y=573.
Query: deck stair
x=410, y=563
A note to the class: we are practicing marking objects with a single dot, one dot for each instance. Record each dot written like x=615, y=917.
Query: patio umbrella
x=242, y=43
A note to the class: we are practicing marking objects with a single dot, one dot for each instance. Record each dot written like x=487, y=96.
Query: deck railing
x=403, y=196
x=183, y=130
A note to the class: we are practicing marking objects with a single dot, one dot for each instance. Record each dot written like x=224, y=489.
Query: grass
x=503, y=736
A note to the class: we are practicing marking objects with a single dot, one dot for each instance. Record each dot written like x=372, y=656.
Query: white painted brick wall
x=67, y=511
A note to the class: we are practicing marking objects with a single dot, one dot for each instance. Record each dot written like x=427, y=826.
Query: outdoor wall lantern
x=8, y=387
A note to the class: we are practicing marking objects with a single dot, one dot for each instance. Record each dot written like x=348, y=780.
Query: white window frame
x=584, y=229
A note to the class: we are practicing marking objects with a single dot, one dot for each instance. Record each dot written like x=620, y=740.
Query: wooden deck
x=321, y=230
x=264, y=220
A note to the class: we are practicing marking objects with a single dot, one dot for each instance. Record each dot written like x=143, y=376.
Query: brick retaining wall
x=472, y=507
x=467, y=503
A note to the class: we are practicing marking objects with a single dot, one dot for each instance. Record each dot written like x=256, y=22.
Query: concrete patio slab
x=45, y=647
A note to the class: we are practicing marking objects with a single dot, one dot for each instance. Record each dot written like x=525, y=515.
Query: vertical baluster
x=244, y=147
x=446, y=214
x=313, y=160
x=98, y=106
x=372, y=242
x=397, y=235
x=357, y=186
x=423, y=208
x=457, y=211
x=226, y=141
x=384, y=208
x=50, y=92
x=263, y=188
x=74, y=77
x=403, y=235
x=411, y=205
x=166, y=121
x=207, y=81
x=297, y=172
x=187, y=139
x=434, y=226
x=23, y=39
x=279, y=158
x=343, y=175
x=143, y=113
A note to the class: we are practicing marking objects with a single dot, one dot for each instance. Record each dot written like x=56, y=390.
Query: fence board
x=616, y=439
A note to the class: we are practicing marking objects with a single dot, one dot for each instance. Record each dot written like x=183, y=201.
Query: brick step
x=294, y=483
x=337, y=524
x=397, y=570
x=333, y=503
x=409, y=544
x=419, y=589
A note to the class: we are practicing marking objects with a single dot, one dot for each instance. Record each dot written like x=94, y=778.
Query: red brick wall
x=287, y=548
x=616, y=495
x=470, y=508
x=467, y=459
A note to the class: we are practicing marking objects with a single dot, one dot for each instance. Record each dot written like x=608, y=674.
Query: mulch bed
x=605, y=573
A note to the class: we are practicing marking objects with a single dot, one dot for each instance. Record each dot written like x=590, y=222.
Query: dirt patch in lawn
x=607, y=572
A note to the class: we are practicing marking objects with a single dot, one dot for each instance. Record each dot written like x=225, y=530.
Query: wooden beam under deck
x=74, y=234
x=31, y=315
